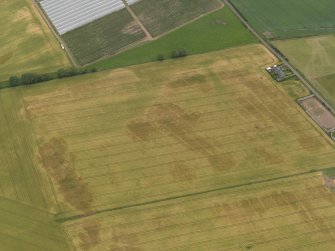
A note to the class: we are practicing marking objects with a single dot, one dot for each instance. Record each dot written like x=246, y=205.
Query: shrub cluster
x=33, y=78
x=174, y=54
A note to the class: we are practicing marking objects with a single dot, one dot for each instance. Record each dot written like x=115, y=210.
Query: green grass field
x=163, y=16
x=225, y=31
x=315, y=57
x=289, y=18
x=26, y=228
x=26, y=43
x=295, y=213
x=103, y=37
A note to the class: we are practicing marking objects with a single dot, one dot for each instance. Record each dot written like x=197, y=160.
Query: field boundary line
x=69, y=54
x=60, y=219
x=138, y=21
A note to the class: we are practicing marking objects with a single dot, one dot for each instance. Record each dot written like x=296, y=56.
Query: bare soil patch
x=319, y=113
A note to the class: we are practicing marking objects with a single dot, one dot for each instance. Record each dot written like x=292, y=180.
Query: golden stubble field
x=26, y=43
x=150, y=133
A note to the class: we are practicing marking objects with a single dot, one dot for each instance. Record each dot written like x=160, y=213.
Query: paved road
x=278, y=55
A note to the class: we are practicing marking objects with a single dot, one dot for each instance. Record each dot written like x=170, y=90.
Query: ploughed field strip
x=293, y=213
x=103, y=37
x=132, y=135
x=68, y=15
x=289, y=18
x=163, y=16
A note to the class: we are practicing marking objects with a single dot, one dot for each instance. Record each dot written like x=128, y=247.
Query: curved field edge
x=26, y=42
x=225, y=31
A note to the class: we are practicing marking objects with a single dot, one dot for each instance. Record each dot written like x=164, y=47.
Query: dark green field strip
x=64, y=218
x=103, y=37
x=215, y=31
x=24, y=227
x=289, y=18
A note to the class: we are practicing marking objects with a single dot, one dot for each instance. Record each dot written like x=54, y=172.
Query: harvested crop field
x=319, y=113
x=103, y=37
x=163, y=16
x=294, y=213
x=315, y=58
x=151, y=135
x=289, y=18
x=26, y=43
x=133, y=135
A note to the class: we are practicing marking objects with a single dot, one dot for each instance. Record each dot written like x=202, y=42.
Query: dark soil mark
x=60, y=165
x=192, y=80
x=168, y=118
x=91, y=235
x=181, y=172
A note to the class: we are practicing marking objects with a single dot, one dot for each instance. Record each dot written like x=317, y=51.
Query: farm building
x=277, y=72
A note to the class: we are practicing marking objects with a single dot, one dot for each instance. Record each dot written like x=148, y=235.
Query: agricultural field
x=315, y=58
x=26, y=228
x=289, y=18
x=157, y=153
x=163, y=16
x=225, y=31
x=295, y=213
x=103, y=37
x=26, y=43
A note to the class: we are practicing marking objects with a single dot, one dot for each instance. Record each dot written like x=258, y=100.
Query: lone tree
x=160, y=57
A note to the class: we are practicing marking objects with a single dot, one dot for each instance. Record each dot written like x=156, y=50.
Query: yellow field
x=166, y=135
x=26, y=43
x=295, y=213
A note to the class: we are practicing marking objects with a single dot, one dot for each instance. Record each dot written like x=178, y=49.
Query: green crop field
x=26, y=228
x=315, y=58
x=103, y=37
x=289, y=18
x=163, y=16
x=216, y=31
x=26, y=43
x=296, y=213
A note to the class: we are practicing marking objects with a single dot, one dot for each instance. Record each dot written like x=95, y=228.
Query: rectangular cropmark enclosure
x=67, y=15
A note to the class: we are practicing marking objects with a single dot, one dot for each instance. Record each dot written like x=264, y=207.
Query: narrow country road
x=279, y=56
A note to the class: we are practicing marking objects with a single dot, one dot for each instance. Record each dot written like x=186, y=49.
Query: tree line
x=33, y=78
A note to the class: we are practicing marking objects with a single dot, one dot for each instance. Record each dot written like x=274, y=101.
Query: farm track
x=138, y=21
x=61, y=219
x=69, y=54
